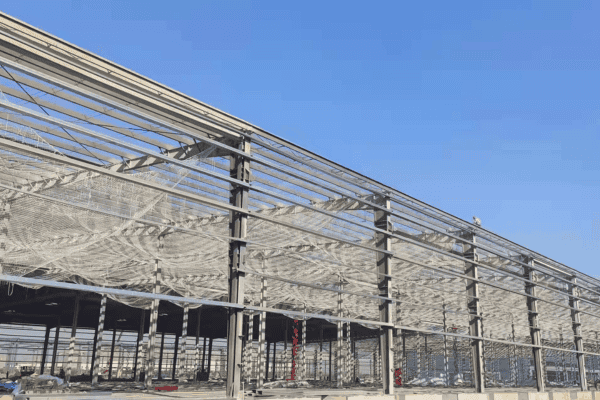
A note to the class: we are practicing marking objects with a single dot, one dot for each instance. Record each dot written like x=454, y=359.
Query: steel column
x=263, y=368
x=55, y=347
x=208, y=365
x=160, y=355
x=197, y=353
x=274, y=360
x=474, y=307
x=576, y=320
x=340, y=337
x=536, y=337
x=112, y=353
x=45, y=350
x=239, y=169
x=97, y=355
x=150, y=358
x=175, y=353
x=184, y=329
x=386, y=337
x=72, y=341
x=137, y=362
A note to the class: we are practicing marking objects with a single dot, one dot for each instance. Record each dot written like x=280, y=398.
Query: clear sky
x=476, y=107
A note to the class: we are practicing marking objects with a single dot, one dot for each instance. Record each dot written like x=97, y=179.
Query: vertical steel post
x=175, y=354
x=93, y=351
x=112, y=353
x=184, y=329
x=266, y=375
x=72, y=341
x=320, y=359
x=475, y=328
x=304, y=366
x=55, y=347
x=576, y=320
x=263, y=366
x=536, y=337
x=160, y=355
x=137, y=362
x=197, y=353
x=204, y=355
x=330, y=369
x=97, y=355
x=340, y=337
x=239, y=168
x=248, y=372
x=209, y=364
x=446, y=378
x=45, y=350
x=274, y=360
x=383, y=242
x=150, y=357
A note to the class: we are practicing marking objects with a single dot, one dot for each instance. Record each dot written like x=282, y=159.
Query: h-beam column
x=263, y=364
x=150, y=356
x=386, y=342
x=534, y=323
x=239, y=169
x=576, y=320
x=474, y=307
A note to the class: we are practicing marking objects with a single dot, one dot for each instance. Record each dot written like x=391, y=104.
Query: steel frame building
x=111, y=183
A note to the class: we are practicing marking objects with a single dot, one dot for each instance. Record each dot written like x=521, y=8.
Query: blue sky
x=478, y=108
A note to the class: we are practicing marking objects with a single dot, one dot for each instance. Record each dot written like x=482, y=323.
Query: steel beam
x=475, y=327
x=386, y=337
x=576, y=321
x=240, y=171
x=534, y=325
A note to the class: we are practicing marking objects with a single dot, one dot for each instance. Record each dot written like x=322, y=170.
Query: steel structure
x=115, y=184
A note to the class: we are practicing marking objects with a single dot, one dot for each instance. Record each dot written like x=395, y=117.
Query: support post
x=474, y=307
x=97, y=355
x=304, y=365
x=576, y=320
x=72, y=341
x=386, y=339
x=274, y=360
x=55, y=347
x=320, y=357
x=330, y=364
x=137, y=362
x=340, y=337
x=184, y=329
x=239, y=169
x=45, y=350
x=160, y=355
x=536, y=337
x=150, y=358
x=208, y=366
x=263, y=366
x=112, y=353
x=197, y=353
x=266, y=375
x=93, y=351
x=204, y=354
x=175, y=353
x=445, y=328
